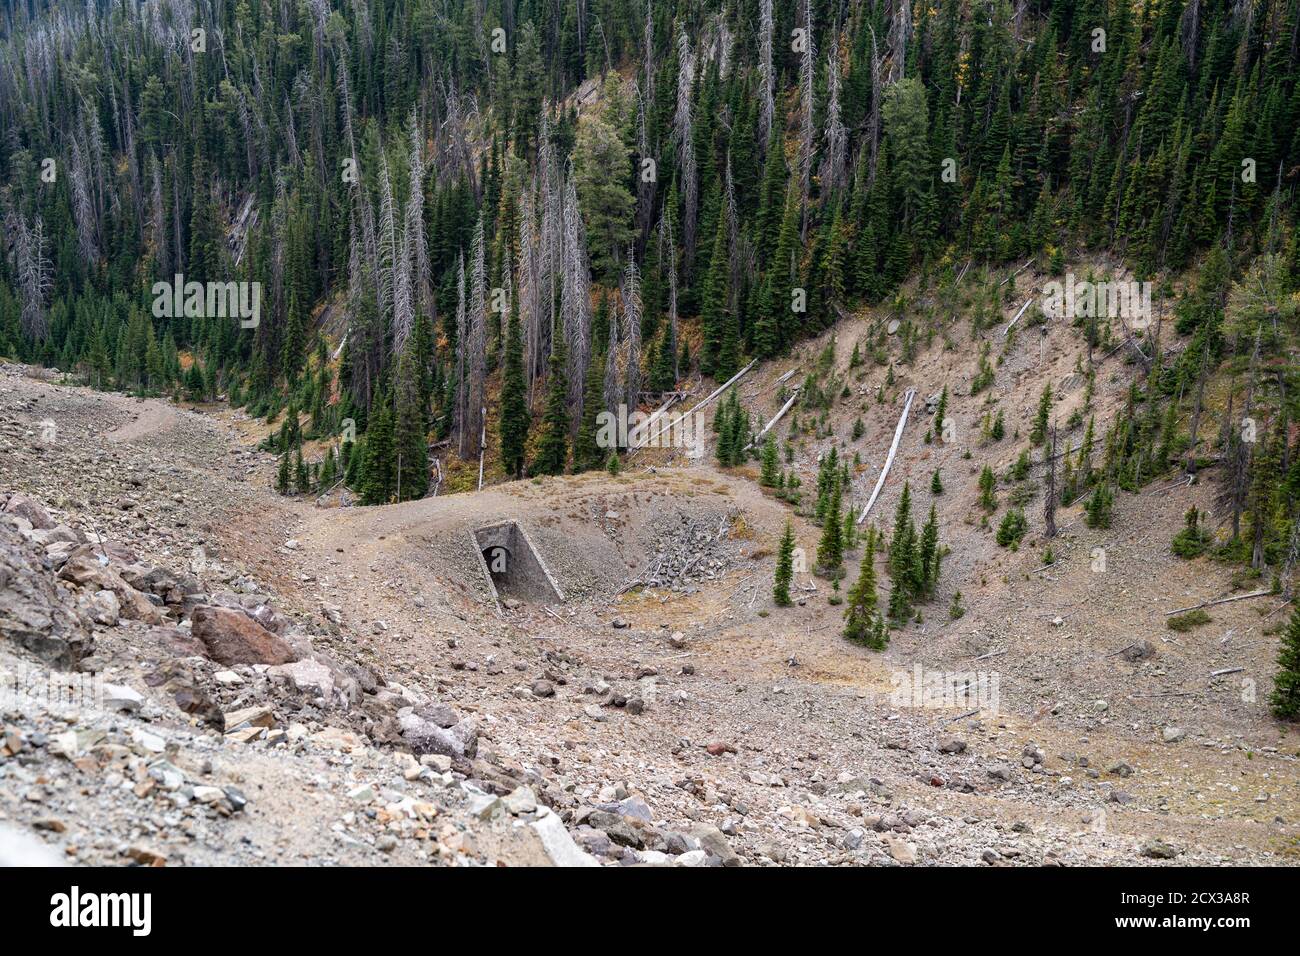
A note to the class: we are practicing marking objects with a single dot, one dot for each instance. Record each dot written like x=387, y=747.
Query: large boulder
x=90, y=572
x=426, y=737
x=171, y=588
x=255, y=606
x=232, y=637
x=26, y=508
x=306, y=677
x=34, y=612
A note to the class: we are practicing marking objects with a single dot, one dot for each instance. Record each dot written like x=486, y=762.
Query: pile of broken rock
x=152, y=776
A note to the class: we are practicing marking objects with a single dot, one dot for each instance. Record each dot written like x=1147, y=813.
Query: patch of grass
x=1185, y=622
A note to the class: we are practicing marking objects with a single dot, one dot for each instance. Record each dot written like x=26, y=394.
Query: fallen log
x=893, y=450
x=768, y=427
x=714, y=394
x=783, y=377
x=1017, y=272
x=1227, y=600
x=1028, y=302
x=649, y=423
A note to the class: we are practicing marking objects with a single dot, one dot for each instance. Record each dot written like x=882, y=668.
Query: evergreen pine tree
x=301, y=484
x=282, y=476
x=863, y=608
x=378, y=478
x=988, y=487
x=553, y=449
x=784, y=568
x=1285, y=699
x=940, y=413
x=927, y=561
x=410, y=437
x=587, y=454
x=1038, y=434
x=1097, y=512
x=830, y=550
x=513, y=424
x=768, y=475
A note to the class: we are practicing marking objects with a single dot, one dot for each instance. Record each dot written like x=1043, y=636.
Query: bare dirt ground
x=711, y=707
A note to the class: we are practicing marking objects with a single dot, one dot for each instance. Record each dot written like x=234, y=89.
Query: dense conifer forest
x=501, y=217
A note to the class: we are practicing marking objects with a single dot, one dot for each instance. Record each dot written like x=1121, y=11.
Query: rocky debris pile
x=619, y=828
x=65, y=595
x=85, y=763
x=35, y=613
x=684, y=552
x=224, y=678
x=429, y=727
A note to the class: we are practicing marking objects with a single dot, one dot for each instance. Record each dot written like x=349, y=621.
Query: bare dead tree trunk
x=766, y=106
x=631, y=298
x=806, y=131
x=686, y=146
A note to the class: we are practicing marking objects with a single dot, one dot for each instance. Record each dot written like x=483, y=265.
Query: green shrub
x=1185, y=622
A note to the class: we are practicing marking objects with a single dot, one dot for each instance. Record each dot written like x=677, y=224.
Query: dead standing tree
x=807, y=131
x=1239, y=442
x=766, y=107
x=476, y=348
x=688, y=172
x=631, y=299
x=835, y=165
x=33, y=270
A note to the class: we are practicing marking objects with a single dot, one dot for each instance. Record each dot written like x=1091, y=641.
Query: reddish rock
x=25, y=507
x=718, y=748
x=178, y=643
x=233, y=637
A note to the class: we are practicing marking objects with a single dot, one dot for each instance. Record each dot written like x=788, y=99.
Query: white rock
x=692, y=858
x=117, y=697
x=147, y=741
x=558, y=843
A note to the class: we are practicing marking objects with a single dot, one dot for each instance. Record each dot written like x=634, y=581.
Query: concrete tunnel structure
x=512, y=565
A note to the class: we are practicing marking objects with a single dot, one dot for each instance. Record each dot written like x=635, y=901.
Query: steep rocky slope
x=691, y=723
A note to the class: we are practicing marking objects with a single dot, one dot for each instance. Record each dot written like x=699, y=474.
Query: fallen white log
x=682, y=417
x=768, y=427
x=1227, y=670
x=782, y=378
x=893, y=450
x=1017, y=272
x=1227, y=600
x=644, y=429
x=1018, y=315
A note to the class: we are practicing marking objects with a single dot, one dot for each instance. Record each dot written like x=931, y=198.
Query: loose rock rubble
x=258, y=687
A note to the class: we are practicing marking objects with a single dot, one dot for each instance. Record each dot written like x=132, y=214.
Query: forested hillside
x=546, y=208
